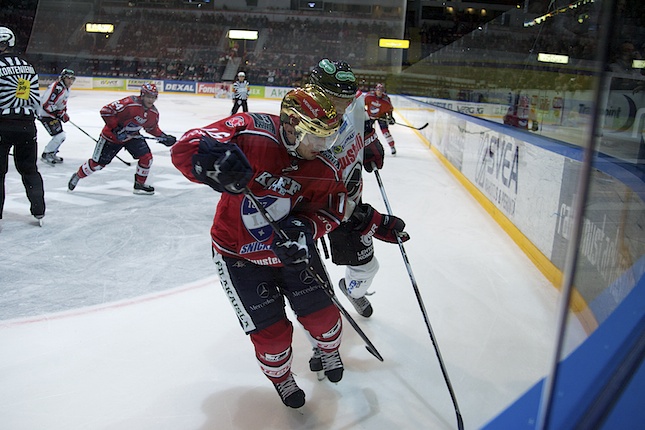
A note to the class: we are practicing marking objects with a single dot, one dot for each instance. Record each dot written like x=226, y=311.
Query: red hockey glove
x=64, y=117
x=373, y=152
x=293, y=250
x=370, y=223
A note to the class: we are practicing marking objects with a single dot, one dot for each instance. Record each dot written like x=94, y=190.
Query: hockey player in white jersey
x=53, y=112
x=353, y=151
x=356, y=147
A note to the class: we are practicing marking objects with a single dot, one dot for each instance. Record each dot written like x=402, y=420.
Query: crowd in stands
x=183, y=44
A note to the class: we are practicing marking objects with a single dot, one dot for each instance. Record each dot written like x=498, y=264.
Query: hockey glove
x=370, y=223
x=293, y=250
x=373, y=152
x=64, y=117
x=167, y=139
x=222, y=166
x=390, y=119
x=121, y=134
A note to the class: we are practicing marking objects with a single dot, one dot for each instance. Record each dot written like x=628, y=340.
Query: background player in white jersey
x=53, y=112
x=356, y=147
x=19, y=100
x=240, y=94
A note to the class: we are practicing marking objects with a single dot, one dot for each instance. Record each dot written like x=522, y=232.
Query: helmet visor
x=317, y=143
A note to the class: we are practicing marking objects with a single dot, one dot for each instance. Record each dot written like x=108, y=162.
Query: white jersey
x=54, y=101
x=348, y=149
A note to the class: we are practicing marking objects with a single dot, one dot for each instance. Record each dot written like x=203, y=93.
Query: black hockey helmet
x=67, y=73
x=335, y=78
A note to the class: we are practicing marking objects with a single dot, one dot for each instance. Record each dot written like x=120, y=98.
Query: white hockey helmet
x=241, y=74
x=7, y=36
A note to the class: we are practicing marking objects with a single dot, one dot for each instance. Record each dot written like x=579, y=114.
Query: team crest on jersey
x=256, y=224
x=263, y=122
x=236, y=121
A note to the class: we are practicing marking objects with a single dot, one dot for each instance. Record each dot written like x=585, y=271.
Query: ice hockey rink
x=112, y=317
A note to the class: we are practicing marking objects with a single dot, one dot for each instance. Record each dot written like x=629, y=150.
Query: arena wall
x=527, y=183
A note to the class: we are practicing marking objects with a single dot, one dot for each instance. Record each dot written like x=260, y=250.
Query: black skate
x=143, y=189
x=290, y=393
x=72, y=182
x=393, y=150
x=362, y=305
x=315, y=364
x=332, y=365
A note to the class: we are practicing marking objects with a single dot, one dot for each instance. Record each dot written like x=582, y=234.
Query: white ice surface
x=111, y=315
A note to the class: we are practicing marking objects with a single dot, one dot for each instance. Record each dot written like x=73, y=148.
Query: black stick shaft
x=127, y=163
x=312, y=272
x=415, y=128
x=460, y=422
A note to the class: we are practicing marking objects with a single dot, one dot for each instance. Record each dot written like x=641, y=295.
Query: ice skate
x=143, y=189
x=362, y=305
x=393, y=149
x=332, y=365
x=39, y=219
x=315, y=364
x=290, y=393
x=72, y=182
x=49, y=158
x=57, y=159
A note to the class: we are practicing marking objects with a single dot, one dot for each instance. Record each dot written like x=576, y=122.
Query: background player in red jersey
x=279, y=159
x=53, y=112
x=379, y=108
x=123, y=120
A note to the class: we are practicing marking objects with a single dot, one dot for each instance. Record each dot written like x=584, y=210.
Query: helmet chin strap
x=291, y=147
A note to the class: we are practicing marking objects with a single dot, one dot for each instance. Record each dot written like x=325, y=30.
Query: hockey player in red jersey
x=280, y=160
x=123, y=120
x=379, y=108
x=53, y=112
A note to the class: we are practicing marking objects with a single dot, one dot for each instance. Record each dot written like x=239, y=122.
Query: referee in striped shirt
x=19, y=102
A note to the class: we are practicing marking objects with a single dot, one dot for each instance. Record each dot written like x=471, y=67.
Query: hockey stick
x=460, y=422
x=414, y=128
x=127, y=163
x=312, y=272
